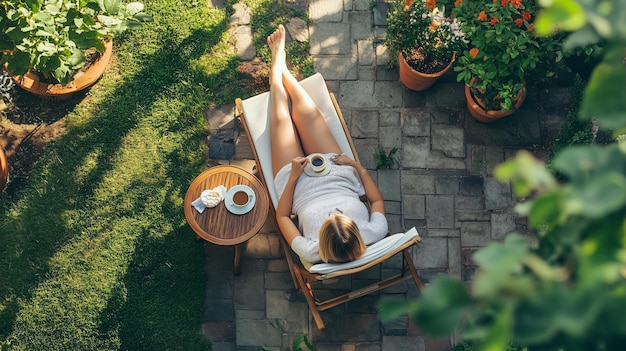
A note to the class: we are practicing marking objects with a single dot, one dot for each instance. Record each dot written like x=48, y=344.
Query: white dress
x=316, y=198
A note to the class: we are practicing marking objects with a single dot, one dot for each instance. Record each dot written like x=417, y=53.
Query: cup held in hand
x=318, y=163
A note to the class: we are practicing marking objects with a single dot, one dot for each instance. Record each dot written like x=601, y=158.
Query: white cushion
x=256, y=114
x=373, y=252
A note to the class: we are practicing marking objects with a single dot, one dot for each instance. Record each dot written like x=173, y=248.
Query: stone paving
x=444, y=186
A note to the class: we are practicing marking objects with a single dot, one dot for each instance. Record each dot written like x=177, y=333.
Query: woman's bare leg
x=285, y=142
x=308, y=119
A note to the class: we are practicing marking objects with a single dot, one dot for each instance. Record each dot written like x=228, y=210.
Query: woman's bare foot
x=276, y=42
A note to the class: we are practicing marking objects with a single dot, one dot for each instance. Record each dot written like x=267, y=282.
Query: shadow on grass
x=27, y=123
x=130, y=261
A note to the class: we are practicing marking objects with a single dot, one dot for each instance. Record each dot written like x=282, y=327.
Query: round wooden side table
x=217, y=225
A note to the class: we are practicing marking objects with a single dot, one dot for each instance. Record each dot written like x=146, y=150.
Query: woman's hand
x=297, y=166
x=344, y=160
x=283, y=210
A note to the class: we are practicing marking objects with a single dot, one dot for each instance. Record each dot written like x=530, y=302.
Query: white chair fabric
x=373, y=252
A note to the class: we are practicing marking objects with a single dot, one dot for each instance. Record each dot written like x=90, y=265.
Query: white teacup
x=241, y=198
x=318, y=163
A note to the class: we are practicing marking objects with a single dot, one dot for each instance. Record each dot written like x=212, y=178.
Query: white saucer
x=239, y=210
x=311, y=173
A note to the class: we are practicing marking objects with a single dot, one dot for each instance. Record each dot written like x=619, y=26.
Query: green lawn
x=96, y=253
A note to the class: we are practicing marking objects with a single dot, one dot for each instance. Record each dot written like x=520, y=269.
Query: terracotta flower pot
x=30, y=81
x=476, y=109
x=415, y=80
x=4, y=169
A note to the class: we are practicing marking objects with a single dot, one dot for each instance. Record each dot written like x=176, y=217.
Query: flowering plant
x=503, y=49
x=423, y=34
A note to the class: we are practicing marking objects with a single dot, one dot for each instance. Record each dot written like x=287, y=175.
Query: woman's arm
x=283, y=210
x=374, y=197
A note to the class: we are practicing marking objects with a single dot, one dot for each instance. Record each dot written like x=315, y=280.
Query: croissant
x=210, y=198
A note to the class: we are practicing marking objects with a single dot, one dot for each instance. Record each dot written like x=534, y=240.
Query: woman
x=334, y=225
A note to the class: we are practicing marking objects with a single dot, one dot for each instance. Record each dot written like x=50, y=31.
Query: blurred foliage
x=574, y=131
x=591, y=22
x=566, y=288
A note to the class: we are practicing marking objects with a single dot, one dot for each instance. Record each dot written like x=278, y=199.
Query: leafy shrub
x=386, y=160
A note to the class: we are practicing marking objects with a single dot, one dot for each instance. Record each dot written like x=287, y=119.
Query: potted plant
x=43, y=43
x=503, y=53
x=424, y=39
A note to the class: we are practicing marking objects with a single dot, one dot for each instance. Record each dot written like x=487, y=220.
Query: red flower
x=431, y=4
x=458, y=2
x=482, y=16
x=493, y=21
x=530, y=28
x=516, y=3
x=526, y=15
x=505, y=3
x=519, y=22
x=473, y=52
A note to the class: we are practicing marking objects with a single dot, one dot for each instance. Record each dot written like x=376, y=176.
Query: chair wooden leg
x=409, y=262
x=287, y=251
x=307, y=292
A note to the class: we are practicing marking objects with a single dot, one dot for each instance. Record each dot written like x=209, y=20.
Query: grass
x=96, y=253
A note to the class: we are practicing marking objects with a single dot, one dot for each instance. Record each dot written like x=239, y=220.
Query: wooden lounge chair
x=254, y=116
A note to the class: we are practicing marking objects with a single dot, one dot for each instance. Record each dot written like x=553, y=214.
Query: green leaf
x=599, y=197
x=603, y=252
x=134, y=8
x=76, y=59
x=299, y=340
x=18, y=62
x=109, y=21
x=556, y=308
x=63, y=74
x=110, y=6
x=441, y=306
x=43, y=18
x=499, y=334
x=526, y=174
x=545, y=209
x=612, y=316
x=580, y=162
x=390, y=309
x=542, y=269
x=143, y=17
x=505, y=256
x=43, y=33
x=497, y=285
x=501, y=268
x=47, y=49
x=559, y=14
x=605, y=96
x=581, y=38
x=601, y=24
x=86, y=40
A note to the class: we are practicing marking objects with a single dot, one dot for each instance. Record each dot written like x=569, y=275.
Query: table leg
x=237, y=257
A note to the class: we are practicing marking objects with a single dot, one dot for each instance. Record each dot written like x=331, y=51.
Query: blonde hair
x=340, y=240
